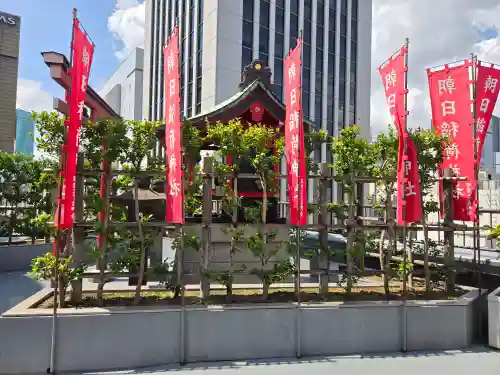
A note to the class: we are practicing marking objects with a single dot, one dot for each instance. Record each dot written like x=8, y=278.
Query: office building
x=10, y=27
x=220, y=37
x=25, y=130
x=490, y=157
x=123, y=90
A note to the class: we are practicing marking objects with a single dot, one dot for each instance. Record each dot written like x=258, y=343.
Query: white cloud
x=439, y=31
x=32, y=97
x=126, y=24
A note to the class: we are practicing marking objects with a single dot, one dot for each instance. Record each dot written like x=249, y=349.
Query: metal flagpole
x=300, y=183
x=405, y=154
x=58, y=241
x=476, y=233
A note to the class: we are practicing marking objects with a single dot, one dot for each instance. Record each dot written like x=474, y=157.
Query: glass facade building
x=25, y=130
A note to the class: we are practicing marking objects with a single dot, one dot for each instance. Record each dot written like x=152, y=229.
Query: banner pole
x=477, y=159
x=405, y=155
x=300, y=183
x=57, y=242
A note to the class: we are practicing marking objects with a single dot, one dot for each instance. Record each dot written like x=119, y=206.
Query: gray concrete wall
x=18, y=257
x=98, y=339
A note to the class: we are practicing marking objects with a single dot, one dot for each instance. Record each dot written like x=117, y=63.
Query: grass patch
x=243, y=296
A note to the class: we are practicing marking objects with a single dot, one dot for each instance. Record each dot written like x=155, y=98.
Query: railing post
x=448, y=184
x=324, y=258
x=207, y=172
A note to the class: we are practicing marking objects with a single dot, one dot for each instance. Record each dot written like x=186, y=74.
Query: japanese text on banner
x=294, y=138
x=409, y=204
x=174, y=190
x=487, y=88
x=83, y=51
x=452, y=117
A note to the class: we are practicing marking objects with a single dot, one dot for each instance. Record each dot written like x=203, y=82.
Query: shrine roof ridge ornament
x=257, y=70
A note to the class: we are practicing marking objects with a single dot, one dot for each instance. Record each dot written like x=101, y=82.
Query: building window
x=247, y=34
x=354, y=30
x=343, y=46
x=354, y=9
x=306, y=81
x=279, y=40
x=248, y=10
x=246, y=57
x=264, y=13
x=343, y=25
x=294, y=29
x=278, y=71
x=305, y=104
x=247, y=45
x=308, y=9
x=343, y=7
x=294, y=7
x=280, y=20
x=307, y=31
x=264, y=40
x=319, y=59
x=320, y=13
x=306, y=58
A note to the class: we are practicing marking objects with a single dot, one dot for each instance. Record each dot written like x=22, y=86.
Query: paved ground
x=16, y=287
x=478, y=361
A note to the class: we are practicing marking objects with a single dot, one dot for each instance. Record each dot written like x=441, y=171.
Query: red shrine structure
x=254, y=103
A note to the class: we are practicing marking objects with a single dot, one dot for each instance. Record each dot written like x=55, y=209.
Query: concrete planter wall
x=16, y=258
x=96, y=339
x=494, y=318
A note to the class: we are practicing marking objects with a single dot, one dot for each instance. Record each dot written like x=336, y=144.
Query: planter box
x=494, y=319
x=96, y=339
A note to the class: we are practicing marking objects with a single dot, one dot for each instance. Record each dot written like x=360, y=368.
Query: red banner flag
x=82, y=54
x=451, y=102
x=294, y=137
x=487, y=88
x=174, y=191
x=409, y=197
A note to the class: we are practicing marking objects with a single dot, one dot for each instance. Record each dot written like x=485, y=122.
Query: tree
x=142, y=140
x=430, y=155
x=228, y=138
x=353, y=157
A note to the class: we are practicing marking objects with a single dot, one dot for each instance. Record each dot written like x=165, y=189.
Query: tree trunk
x=107, y=177
x=390, y=236
x=142, y=263
x=427, y=271
x=350, y=240
x=232, y=249
x=265, y=283
x=265, y=290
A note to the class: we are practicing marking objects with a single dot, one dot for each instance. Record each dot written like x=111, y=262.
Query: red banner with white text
x=451, y=103
x=409, y=198
x=175, y=190
x=487, y=88
x=83, y=51
x=294, y=137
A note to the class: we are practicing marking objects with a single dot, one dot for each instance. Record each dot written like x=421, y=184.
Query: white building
x=123, y=90
x=490, y=158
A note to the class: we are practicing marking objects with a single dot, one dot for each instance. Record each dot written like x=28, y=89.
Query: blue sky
x=46, y=25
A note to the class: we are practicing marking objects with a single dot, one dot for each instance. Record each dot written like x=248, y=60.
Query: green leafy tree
x=142, y=140
x=228, y=138
x=353, y=157
x=48, y=267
